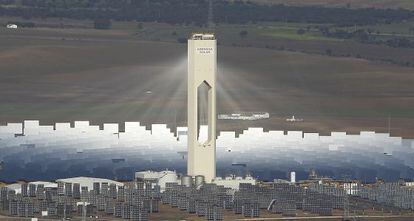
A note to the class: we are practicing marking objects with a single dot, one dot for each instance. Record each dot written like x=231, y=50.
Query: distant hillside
x=195, y=12
x=408, y=4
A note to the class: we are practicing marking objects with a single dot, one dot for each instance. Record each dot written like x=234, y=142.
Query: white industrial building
x=17, y=187
x=163, y=177
x=88, y=181
x=83, y=181
x=160, y=178
x=234, y=182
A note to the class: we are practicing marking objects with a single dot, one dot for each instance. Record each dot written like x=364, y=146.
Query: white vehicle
x=293, y=119
x=11, y=26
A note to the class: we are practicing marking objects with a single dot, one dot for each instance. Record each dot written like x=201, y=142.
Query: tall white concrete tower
x=202, y=69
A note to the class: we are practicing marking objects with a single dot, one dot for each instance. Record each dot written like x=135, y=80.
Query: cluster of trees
x=239, y=12
x=7, y=2
x=195, y=11
x=368, y=37
x=400, y=43
x=360, y=35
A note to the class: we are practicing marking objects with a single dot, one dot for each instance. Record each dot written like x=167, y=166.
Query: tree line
x=195, y=11
x=368, y=37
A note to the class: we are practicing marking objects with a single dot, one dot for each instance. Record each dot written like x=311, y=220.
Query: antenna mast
x=210, y=16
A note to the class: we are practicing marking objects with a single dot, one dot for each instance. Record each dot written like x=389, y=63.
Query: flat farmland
x=60, y=75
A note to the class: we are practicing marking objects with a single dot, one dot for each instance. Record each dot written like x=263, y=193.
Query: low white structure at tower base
x=161, y=178
x=234, y=182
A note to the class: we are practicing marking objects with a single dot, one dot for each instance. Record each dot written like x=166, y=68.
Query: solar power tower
x=202, y=71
